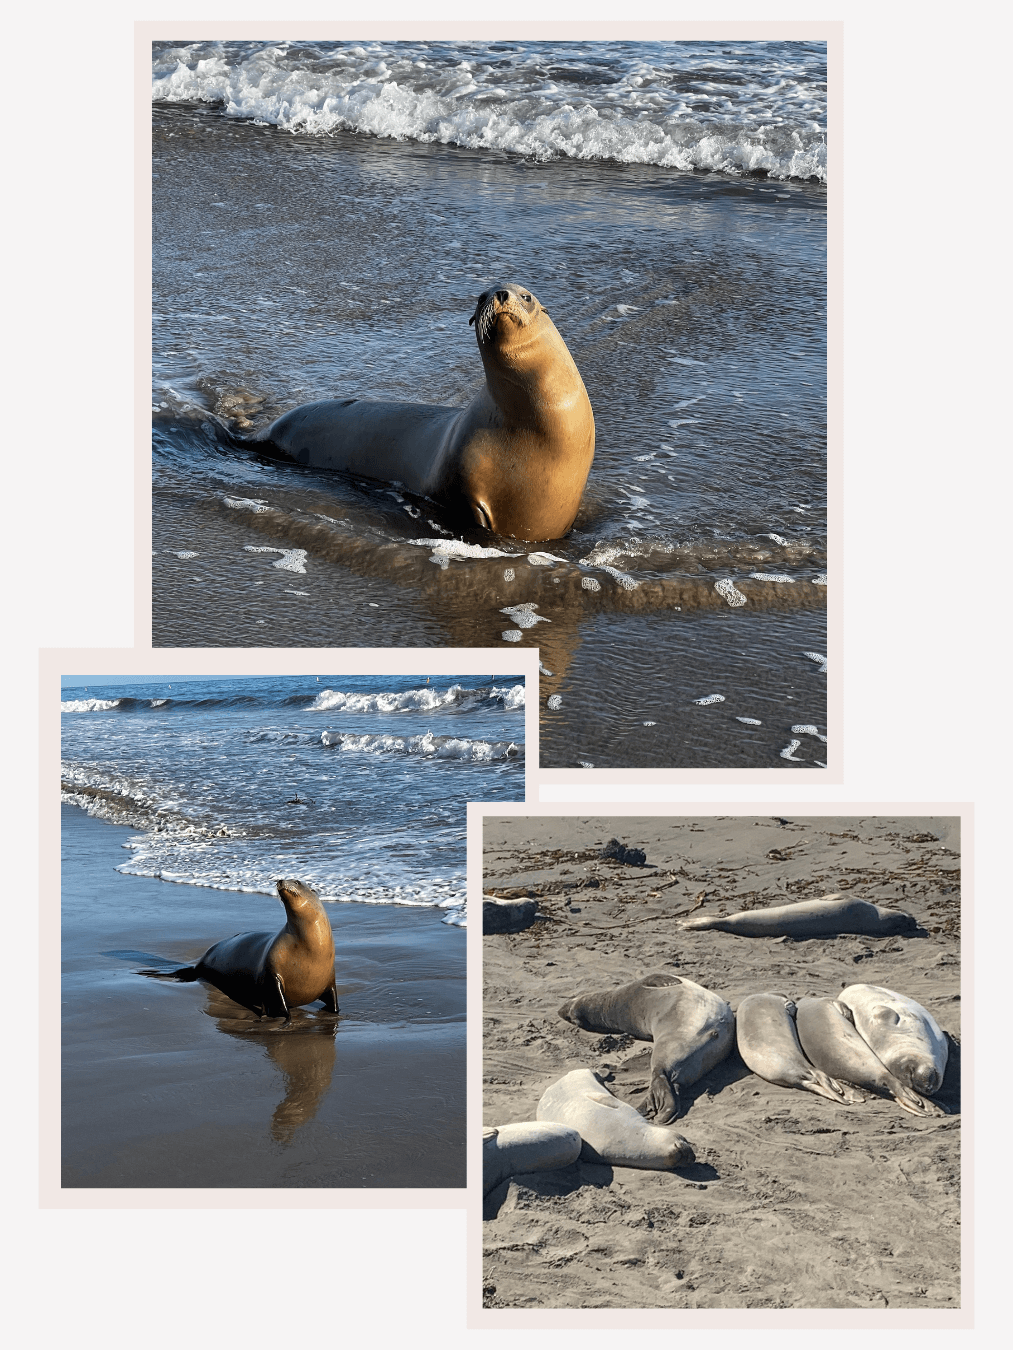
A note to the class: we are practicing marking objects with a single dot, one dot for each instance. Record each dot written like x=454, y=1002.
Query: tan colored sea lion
x=611, y=1131
x=514, y=460
x=768, y=1043
x=273, y=972
x=692, y=1030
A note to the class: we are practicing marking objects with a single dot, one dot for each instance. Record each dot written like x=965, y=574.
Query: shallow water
x=289, y=267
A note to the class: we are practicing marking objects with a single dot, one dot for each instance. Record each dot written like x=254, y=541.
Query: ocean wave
x=426, y=699
x=430, y=746
x=77, y=705
x=729, y=107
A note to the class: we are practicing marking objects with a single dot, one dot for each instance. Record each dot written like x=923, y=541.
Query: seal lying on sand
x=829, y=1037
x=903, y=1034
x=273, y=972
x=532, y=1146
x=612, y=1131
x=768, y=1043
x=515, y=460
x=692, y=1030
x=812, y=919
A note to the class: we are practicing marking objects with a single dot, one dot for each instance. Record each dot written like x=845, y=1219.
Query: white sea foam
x=750, y=721
x=554, y=701
x=524, y=616
x=88, y=704
x=726, y=589
x=455, y=548
x=772, y=576
x=425, y=699
x=789, y=752
x=733, y=108
x=709, y=698
x=432, y=747
x=292, y=559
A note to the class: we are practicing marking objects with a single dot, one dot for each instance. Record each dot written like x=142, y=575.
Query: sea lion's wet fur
x=271, y=972
x=514, y=460
x=692, y=1029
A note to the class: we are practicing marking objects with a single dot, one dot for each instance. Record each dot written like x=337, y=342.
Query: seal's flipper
x=663, y=1099
x=330, y=999
x=277, y=992
x=185, y=974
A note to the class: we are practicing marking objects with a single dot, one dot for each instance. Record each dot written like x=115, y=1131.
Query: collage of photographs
x=479, y=844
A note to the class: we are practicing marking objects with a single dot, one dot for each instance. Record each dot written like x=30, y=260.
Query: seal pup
x=812, y=919
x=692, y=1030
x=832, y=1042
x=514, y=460
x=903, y=1034
x=612, y=1131
x=532, y=1146
x=271, y=973
x=768, y=1043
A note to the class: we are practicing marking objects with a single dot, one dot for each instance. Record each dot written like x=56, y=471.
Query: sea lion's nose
x=502, y=296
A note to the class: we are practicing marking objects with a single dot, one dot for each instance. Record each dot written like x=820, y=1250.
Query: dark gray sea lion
x=612, y=1131
x=692, y=1030
x=812, y=919
x=273, y=972
x=514, y=460
x=768, y=1043
x=903, y=1034
x=832, y=1042
x=507, y=916
x=532, y=1146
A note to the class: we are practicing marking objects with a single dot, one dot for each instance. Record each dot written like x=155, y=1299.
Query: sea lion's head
x=502, y=312
x=297, y=894
x=919, y=1070
x=895, y=921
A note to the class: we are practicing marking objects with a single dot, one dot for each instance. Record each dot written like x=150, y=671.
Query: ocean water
x=356, y=785
x=325, y=215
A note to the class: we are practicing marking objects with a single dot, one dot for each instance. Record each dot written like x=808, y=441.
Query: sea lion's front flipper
x=330, y=999
x=276, y=999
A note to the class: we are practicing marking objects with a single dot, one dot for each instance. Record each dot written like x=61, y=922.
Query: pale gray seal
x=514, y=460
x=273, y=972
x=692, y=1030
x=904, y=1035
x=612, y=1131
x=531, y=1146
x=832, y=1042
x=812, y=919
x=768, y=1043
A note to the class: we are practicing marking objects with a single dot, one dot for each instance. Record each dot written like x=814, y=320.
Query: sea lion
x=612, y=1131
x=273, y=972
x=692, y=1030
x=832, y=1042
x=532, y=1146
x=514, y=460
x=507, y=916
x=904, y=1035
x=812, y=919
x=768, y=1043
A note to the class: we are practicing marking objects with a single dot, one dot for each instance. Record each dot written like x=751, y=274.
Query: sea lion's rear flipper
x=185, y=974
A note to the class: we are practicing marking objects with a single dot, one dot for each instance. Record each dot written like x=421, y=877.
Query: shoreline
x=174, y=1085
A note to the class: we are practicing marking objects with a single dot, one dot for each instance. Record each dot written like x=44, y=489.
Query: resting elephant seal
x=514, y=460
x=812, y=919
x=273, y=972
x=830, y=1039
x=768, y=1043
x=692, y=1030
x=904, y=1035
x=612, y=1131
x=532, y=1146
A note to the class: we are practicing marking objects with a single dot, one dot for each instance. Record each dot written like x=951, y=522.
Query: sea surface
x=356, y=785
x=324, y=218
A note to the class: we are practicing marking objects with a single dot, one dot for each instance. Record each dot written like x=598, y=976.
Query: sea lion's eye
x=524, y=296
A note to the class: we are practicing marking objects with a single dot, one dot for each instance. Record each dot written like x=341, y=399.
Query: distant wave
x=89, y=704
x=728, y=107
x=427, y=699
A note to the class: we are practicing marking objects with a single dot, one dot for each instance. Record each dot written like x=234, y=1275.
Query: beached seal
x=812, y=919
x=832, y=1042
x=768, y=1043
x=612, y=1131
x=514, y=460
x=273, y=972
x=904, y=1035
x=692, y=1030
x=507, y=916
x=532, y=1146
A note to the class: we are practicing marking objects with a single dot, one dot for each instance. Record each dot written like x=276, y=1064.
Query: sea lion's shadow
x=562, y=1181
x=948, y=1095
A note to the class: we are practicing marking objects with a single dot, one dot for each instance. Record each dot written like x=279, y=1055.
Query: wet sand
x=793, y=1201
x=168, y=1085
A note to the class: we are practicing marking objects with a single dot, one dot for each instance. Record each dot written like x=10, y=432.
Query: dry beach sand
x=793, y=1201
